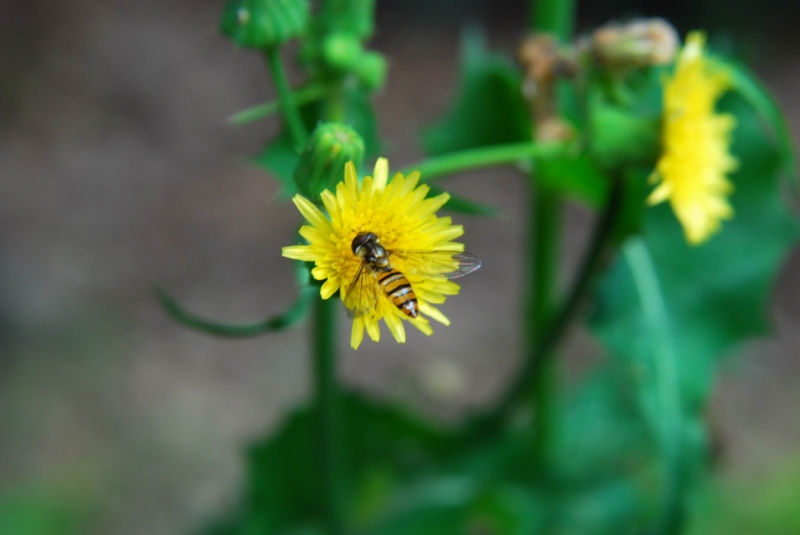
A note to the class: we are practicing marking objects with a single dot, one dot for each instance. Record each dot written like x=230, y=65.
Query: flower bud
x=321, y=164
x=371, y=70
x=640, y=43
x=352, y=16
x=264, y=23
x=341, y=51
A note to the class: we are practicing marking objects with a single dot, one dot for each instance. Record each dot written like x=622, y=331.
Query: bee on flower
x=381, y=245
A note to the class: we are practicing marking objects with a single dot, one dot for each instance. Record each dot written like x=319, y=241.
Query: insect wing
x=436, y=264
x=361, y=296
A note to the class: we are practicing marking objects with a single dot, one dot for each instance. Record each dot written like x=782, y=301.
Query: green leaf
x=445, y=505
x=385, y=447
x=489, y=108
x=294, y=314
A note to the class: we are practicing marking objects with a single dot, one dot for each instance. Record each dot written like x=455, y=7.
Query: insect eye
x=360, y=240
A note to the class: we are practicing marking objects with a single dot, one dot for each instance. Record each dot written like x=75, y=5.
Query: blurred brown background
x=117, y=169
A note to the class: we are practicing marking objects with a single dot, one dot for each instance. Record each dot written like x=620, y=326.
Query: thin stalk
x=330, y=428
x=534, y=376
x=329, y=418
x=303, y=95
x=454, y=162
x=291, y=113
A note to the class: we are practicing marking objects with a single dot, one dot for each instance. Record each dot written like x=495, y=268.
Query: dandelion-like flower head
x=399, y=213
x=691, y=172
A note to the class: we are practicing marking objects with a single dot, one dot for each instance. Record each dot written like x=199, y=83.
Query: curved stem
x=292, y=315
x=285, y=96
x=540, y=354
x=454, y=162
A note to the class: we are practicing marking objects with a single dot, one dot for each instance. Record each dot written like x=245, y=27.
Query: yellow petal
x=422, y=324
x=299, y=252
x=357, y=333
x=381, y=174
x=396, y=327
x=312, y=214
x=373, y=330
x=433, y=313
x=329, y=288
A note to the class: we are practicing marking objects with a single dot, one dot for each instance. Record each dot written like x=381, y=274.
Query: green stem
x=540, y=370
x=541, y=296
x=535, y=375
x=555, y=16
x=334, y=105
x=291, y=113
x=329, y=418
x=302, y=96
x=330, y=427
x=454, y=162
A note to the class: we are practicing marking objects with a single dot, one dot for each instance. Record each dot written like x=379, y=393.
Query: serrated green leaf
x=489, y=108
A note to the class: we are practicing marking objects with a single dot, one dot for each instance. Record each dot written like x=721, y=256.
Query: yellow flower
x=696, y=143
x=398, y=213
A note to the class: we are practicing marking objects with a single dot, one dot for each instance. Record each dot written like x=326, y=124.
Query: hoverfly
x=378, y=274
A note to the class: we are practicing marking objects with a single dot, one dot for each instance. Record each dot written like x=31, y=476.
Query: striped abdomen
x=397, y=288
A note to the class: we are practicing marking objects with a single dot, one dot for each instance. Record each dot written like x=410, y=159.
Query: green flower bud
x=371, y=70
x=321, y=164
x=341, y=51
x=351, y=16
x=264, y=23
